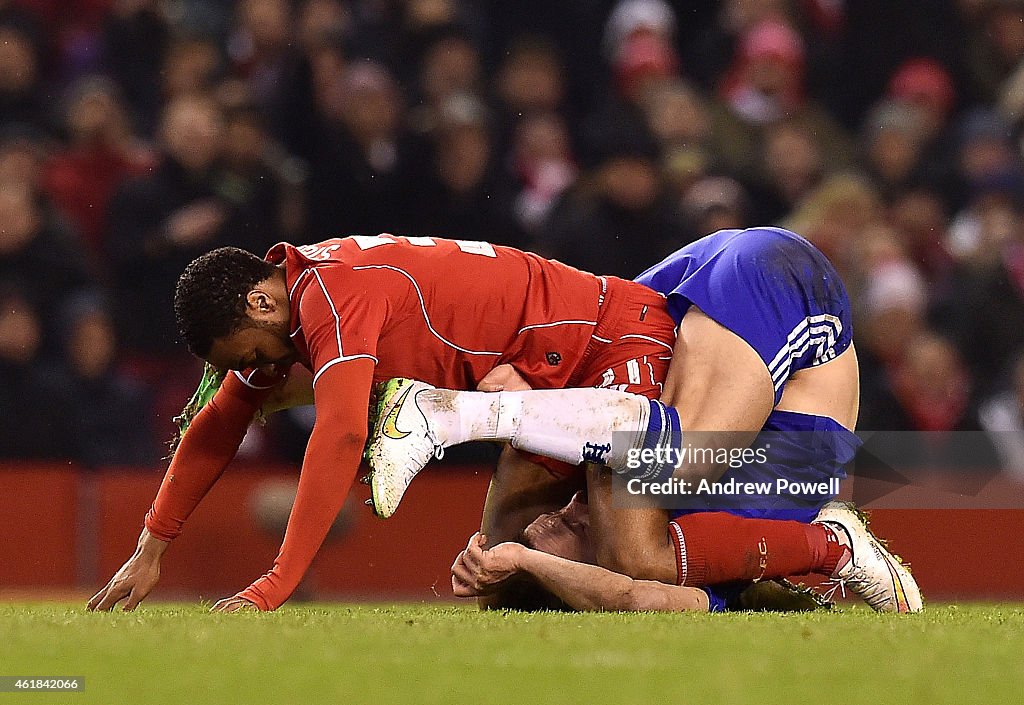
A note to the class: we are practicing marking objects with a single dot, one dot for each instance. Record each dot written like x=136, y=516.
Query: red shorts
x=631, y=347
x=630, y=350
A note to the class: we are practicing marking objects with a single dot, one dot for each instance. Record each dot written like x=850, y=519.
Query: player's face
x=261, y=341
x=259, y=344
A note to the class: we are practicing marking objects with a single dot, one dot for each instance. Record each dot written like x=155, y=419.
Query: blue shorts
x=804, y=458
x=770, y=287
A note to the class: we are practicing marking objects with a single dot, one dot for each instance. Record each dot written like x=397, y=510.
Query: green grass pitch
x=418, y=654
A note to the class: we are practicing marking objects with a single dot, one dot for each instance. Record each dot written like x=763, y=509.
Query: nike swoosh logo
x=389, y=428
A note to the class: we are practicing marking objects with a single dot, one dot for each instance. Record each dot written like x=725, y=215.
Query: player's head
x=232, y=310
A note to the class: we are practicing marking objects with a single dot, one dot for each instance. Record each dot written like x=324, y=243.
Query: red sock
x=715, y=547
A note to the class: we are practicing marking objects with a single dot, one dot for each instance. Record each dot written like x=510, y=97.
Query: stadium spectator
x=926, y=85
x=105, y=416
x=136, y=37
x=449, y=67
x=985, y=151
x=542, y=167
x=618, y=214
x=1011, y=99
x=891, y=310
x=931, y=393
x=74, y=33
x=364, y=165
x=687, y=126
x=530, y=79
x=193, y=66
x=21, y=156
x=932, y=390
x=16, y=14
x=464, y=196
x=642, y=57
x=995, y=47
x=21, y=92
x=38, y=252
x=988, y=315
x=310, y=90
x=793, y=163
x=920, y=220
x=678, y=116
x=633, y=18
x=834, y=216
x=160, y=221
x=765, y=85
x=264, y=184
x=261, y=54
x=318, y=21
x=709, y=52
x=893, y=144
x=29, y=430
x=715, y=203
x=101, y=153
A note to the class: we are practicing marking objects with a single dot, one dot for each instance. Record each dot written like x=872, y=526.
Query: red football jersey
x=443, y=311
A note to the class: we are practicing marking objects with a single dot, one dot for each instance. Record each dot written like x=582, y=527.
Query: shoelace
x=438, y=448
x=837, y=584
x=871, y=592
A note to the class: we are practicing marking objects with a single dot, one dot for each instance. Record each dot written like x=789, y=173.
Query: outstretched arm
x=206, y=448
x=205, y=451
x=328, y=469
x=584, y=587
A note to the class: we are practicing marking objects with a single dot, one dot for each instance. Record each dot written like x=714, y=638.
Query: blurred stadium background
x=137, y=134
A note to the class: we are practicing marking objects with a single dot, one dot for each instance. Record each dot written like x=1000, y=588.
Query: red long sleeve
x=206, y=449
x=328, y=469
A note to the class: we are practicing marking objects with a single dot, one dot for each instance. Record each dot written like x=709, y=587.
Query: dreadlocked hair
x=209, y=301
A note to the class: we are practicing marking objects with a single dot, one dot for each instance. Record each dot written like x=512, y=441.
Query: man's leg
x=520, y=491
x=721, y=389
x=566, y=534
x=633, y=541
x=704, y=548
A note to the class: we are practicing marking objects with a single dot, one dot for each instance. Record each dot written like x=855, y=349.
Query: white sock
x=571, y=425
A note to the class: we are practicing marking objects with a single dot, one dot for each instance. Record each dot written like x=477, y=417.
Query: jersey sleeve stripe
x=335, y=361
x=245, y=380
x=330, y=302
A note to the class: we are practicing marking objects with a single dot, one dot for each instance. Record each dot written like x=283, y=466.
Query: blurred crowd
x=138, y=134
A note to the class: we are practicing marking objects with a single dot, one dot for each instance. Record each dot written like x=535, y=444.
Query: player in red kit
x=360, y=309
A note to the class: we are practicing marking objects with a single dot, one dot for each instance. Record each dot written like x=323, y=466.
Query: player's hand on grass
x=136, y=578
x=234, y=604
x=503, y=378
x=479, y=571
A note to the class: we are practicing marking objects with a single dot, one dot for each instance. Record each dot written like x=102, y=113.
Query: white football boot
x=870, y=570
x=403, y=441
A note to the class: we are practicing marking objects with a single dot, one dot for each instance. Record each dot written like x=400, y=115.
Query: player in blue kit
x=763, y=360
